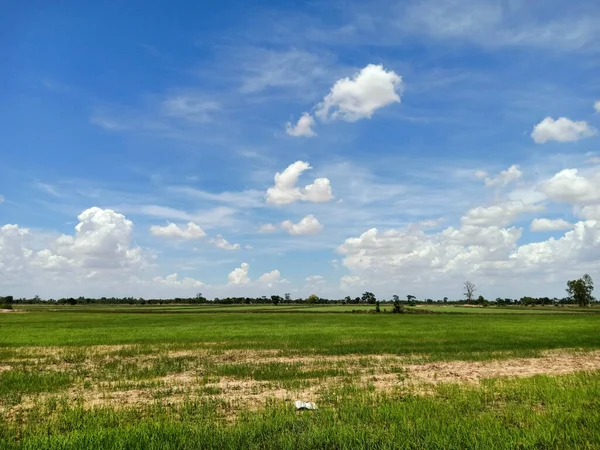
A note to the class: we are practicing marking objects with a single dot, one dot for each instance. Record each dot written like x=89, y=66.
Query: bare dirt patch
x=551, y=363
x=383, y=373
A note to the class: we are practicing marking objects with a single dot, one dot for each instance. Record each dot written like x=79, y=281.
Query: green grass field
x=187, y=377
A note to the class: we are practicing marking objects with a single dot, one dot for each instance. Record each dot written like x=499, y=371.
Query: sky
x=246, y=148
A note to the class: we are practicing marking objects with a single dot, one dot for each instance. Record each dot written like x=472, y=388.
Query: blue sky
x=439, y=130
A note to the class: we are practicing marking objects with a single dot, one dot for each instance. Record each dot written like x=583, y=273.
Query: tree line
x=579, y=290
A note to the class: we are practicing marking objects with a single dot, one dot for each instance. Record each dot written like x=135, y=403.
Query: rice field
x=226, y=377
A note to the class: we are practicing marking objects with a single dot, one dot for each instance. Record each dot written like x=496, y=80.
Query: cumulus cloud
x=1, y=199
x=349, y=282
x=239, y=275
x=500, y=215
x=302, y=128
x=581, y=244
x=356, y=98
x=285, y=190
x=591, y=212
x=267, y=228
x=571, y=187
x=271, y=278
x=308, y=225
x=597, y=106
x=173, y=281
x=15, y=253
x=550, y=225
x=191, y=231
x=102, y=240
x=100, y=249
x=502, y=179
x=222, y=243
x=561, y=130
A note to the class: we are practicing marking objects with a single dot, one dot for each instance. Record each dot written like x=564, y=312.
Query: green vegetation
x=540, y=412
x=440, y=336
x=214, y=376
x=581, y=290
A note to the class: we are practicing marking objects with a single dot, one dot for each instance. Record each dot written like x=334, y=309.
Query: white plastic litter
x=304, y=405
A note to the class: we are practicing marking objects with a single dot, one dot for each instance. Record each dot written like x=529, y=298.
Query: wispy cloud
x=47, y=188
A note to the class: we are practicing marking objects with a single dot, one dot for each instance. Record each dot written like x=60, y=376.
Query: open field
x=113, y=378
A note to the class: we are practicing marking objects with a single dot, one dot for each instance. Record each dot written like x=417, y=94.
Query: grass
x=439, y=336
x=109, y=380
x=540, y=412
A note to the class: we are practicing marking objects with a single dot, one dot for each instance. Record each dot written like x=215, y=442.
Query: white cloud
x=550, y=225
x=315, y=279
x=294, y=70
x=578, y=247
x=1, y=199
x=15, y=253
x=285, y=190
x=267, y=228
x=498, y=215
x=568, y=186
x=497, y=24
x=100, y=249
x=590, y=212
x=348, y=282
x=191, y=231
x=271, y=278
x=597, y=106
x=190, y=107
x=245, y=199
x=358, y=98
x=47, y=188
x=239, y=275
x=561, y=130
x=480, y=174
x=173, y=281
x=220, y=242
x=221, y=215
x=502, y=179
x=308, y=225
x=303, y=127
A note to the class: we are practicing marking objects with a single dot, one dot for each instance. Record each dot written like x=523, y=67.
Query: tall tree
x=369, y=297
x=580, y=290
x=312, y=299
x=469, y=291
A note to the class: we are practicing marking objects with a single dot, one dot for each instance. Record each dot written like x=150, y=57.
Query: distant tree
x=445, y=299
x=469, y=291
x=275, y=299
x=377, y=308
x=581, y=290
x=312, y=299
x=369, y=297
x=410, y=297
x=397, y=306
x=8, y=300
x=288, y=297
x=347, y=300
